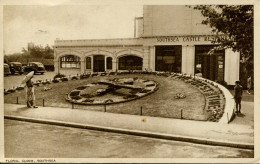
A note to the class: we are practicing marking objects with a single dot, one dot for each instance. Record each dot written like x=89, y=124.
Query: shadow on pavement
x=240, y=115
x=22, y=109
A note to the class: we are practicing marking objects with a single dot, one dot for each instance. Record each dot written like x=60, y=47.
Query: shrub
x=76, y=97
x=59, y=76
x=111, y=73
x=74, y=93
x=84, y=76
x=129, y=82
x=55, y=81
x=94, y=74
x=74, y=78
x=150, y=85
x=6, y=92
x=64, y=79
x=86, y=95
x=11, y=90
x=19, y=88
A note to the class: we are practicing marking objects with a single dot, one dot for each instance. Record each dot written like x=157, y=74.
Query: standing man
x=238, y=96
x=30, y=97
x=30, y=94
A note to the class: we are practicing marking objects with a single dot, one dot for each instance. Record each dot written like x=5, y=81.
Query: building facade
x=167, y=38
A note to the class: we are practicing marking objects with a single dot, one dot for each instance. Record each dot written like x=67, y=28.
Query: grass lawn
x=159, y=104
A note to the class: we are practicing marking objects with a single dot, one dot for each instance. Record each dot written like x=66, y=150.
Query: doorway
x=211, y=66
x=99, y=63
x=168, y=58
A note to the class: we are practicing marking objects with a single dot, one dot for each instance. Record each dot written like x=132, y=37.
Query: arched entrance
x=99, y=63
x=130, y=62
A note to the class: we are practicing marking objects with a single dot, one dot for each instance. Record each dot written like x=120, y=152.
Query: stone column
x=231, y=71
x=188, y=59
x=152, y=58
x=56, y=66
x=82, y=66
x=114, y=64
x=92, y=63
x=184, y=59
x=146, y=53
x=105, y=63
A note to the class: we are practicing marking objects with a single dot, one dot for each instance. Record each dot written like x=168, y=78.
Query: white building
x=168, y=38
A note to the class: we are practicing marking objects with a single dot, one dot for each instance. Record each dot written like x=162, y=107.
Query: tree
x=37, y=51
x=236, y=22
x=48, y=52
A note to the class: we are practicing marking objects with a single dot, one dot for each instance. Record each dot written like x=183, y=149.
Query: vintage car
x=37, y=67
x=16, y=67
x=6, y=69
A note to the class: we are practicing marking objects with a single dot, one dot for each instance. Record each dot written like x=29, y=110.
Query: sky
x=43, y=24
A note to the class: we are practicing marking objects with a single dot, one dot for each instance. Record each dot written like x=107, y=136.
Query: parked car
x=37, y=67
x=16, y=67
x=6, y=69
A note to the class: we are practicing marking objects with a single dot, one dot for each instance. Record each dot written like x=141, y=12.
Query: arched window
x=88, y=62
x=109, y=63
x=130, y=62
x=70, y=61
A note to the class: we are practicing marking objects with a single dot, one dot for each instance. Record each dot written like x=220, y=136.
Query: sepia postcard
x=129, y=81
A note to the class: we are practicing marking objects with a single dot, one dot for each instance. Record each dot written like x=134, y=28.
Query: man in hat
x=238, y=96
x=30, y=94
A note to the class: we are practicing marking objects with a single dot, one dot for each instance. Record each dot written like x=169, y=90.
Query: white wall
x=232, y=60
x=188, y=59
x=69, y=71
x=168, y=20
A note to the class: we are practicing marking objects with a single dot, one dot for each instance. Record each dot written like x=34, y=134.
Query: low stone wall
x=229, y=102
x=69, y=72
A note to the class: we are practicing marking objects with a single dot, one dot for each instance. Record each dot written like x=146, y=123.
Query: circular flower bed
x=112, y=91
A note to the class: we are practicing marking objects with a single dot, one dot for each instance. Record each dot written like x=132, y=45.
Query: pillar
x=188, y=59
x=92, y=63
x=146, y=59
x=152, y=58
x=114, y=64
x=56, y=66
x=105, y=63
x=232, y=60
x=82, y=66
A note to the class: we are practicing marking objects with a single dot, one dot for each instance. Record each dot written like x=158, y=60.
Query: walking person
x=249, y=84
x=30, y=96
x=238, y=90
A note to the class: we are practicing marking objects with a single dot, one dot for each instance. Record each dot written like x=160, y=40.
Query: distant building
x=167, y=38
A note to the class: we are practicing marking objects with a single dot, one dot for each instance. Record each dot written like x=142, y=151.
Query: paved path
x=34, y=140
x=234, y=135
